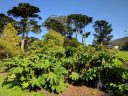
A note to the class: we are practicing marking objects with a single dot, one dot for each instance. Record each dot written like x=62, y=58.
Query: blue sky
x=114, y=11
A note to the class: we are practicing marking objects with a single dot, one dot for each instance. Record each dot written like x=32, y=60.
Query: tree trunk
x=77, y=35
x=22, y=42
x=24, y=31
x=101, y=44
x=27, y=39
x=84, y=37
x=84, y=41
x=7, y=55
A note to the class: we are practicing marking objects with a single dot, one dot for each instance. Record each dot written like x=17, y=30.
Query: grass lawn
x=16, y=91
x=123, y=54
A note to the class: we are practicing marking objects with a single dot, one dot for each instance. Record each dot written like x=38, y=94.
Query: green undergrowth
x=15, y=91
x=54, y=71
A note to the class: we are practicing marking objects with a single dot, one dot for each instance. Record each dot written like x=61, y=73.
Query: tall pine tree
x=102, y=32
x=28, y=15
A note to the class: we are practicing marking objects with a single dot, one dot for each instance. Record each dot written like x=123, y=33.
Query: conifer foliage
x=10, y=41
x=103, y=32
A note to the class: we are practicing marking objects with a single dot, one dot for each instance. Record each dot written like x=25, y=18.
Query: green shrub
x=82, y=64
x=115, y=78
x=35, y=71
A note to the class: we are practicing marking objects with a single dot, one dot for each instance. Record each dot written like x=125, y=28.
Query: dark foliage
x=103, y=32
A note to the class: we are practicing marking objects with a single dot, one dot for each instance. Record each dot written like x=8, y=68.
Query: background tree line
x=28, y=19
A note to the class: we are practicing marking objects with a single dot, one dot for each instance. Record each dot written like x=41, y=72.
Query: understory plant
x=115, y=78
x=36, y=71
x=80, y=65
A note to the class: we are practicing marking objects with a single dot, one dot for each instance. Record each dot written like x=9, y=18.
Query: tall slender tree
x=78, y=22
x=102, y=32
x=27, y=14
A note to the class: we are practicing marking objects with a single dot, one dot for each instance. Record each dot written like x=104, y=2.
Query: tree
x=27, y=13
x=10, y=41
x=67, y=31
x=4, y=20
x=62, y=19
x=53, y=42
x=78, y=22
x=103, y=32
x=51, y=23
